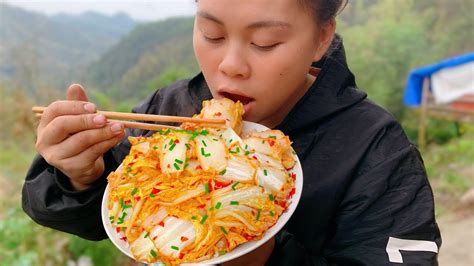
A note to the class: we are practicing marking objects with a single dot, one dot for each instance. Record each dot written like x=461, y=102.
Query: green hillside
x=144, y=58
x=46, y=48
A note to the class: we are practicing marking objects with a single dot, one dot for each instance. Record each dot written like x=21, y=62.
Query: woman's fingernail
x=89, y=107
x=116, y=128
x=99, y=120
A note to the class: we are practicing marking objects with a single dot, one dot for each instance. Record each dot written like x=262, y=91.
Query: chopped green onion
x=230, y=140
x=187, y=146
x=204, y=143
x=204, y=132
x=218, y=205
x=246, y=146
x=223, y=230
x=203, y=219
x=235, y=185
x=271, y=213
x=129, y=170
x=206, y=188
x=215, y=139
x=272, y=198
x=134, y=191
x=204, y=153
x=258, y=215
x=153, y=253
x=171, y=142
x=211, y=209
x=234, y=203
x=273, y=137
x=222, y=252
x=152, y=195
x=174, y=247
x=265, y=172
x=146, y=235
x=193, y=217
x=178, y=161
x=247, y=152
x=172, y=146
x=222, y=172
x=186, y=165
x=155, y=147
x=176, y=166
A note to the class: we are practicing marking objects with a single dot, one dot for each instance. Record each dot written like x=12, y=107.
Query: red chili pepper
x=137, y=198
x=218, y=114
x=181, y=256
x=281, y=204
x=271, y=142
x=248, y=237
x=184, y=239
x=162, y=224
x=176, y=141
x=292, y=192
x=209, y=186
x=117, y=229
x=155, y=191
x=255, y=157
x=293, y=175
x=124, y=238
x=218, y=184
x=202, y=206
x=198, y=167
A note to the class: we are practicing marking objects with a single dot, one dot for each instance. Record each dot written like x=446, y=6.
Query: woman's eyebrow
x=255, y=25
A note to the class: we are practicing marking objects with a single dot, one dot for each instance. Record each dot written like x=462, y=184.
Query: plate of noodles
x=202, y=194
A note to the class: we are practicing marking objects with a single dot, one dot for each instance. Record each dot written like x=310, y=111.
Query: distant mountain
x=149, y=56
x=38, y=47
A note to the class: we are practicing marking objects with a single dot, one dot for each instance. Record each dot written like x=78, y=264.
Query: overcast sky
x=138, y=9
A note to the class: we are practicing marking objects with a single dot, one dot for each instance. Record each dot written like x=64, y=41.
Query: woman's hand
x=73, y=138
x=257, y=257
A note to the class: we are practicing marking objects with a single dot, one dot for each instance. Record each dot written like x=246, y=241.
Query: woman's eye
x=266, y=47
x=213, y=39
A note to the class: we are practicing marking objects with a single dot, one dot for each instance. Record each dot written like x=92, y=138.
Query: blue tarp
x=414, y=85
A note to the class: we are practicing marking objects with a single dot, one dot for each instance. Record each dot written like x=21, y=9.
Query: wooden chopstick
x=138, y=125
x=148, y=117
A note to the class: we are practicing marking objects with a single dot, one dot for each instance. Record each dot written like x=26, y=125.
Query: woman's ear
x=326, y=35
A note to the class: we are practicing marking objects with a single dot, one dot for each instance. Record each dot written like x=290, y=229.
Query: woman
x=366, y=195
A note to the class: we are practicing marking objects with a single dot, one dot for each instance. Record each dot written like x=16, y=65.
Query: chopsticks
x=121, y=117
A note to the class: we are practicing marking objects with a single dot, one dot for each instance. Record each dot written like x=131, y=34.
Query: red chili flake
x=131, y=164
x=254, y=157
x=292, y=192
x=169, y=166
x=162, y=224
x=181, y=256
x=202, y=206
x=124, y=238
x=209, y=186
x=184, y=239
x=155, y=191
x=137, y=198
x=198, y=167
x=118, y=229
x=271, y=142
x=293, y=175
x=218, y=184
x=154, y=238
x=281, y=204
x=218, y=114
x=135, y=156
x=176, y=141
x=248, y=237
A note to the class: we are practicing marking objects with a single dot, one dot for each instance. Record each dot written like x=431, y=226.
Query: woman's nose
x=234, y=64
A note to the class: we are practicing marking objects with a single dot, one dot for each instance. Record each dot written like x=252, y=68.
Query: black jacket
x=364, y=182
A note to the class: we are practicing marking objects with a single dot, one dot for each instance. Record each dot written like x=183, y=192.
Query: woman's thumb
x=76, y=92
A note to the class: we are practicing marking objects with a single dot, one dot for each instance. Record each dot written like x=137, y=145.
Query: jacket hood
x=333, y=91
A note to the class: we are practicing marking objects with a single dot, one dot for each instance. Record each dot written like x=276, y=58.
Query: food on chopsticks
x=192, y=194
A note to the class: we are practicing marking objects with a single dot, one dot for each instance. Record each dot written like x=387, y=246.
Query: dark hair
x=324, y=10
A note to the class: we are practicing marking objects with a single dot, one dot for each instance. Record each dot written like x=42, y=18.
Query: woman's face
x=258, y=52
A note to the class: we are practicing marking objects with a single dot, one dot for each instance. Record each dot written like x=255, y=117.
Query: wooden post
x=424, y=112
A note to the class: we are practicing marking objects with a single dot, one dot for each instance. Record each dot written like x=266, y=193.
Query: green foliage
x=167, y=77
x=101, y=253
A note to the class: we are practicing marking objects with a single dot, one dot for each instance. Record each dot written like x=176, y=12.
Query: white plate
x=238, y=251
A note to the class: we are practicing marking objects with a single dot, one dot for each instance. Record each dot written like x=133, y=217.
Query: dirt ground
x=457, y=232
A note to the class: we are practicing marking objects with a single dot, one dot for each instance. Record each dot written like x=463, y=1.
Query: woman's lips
x=246, y=101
